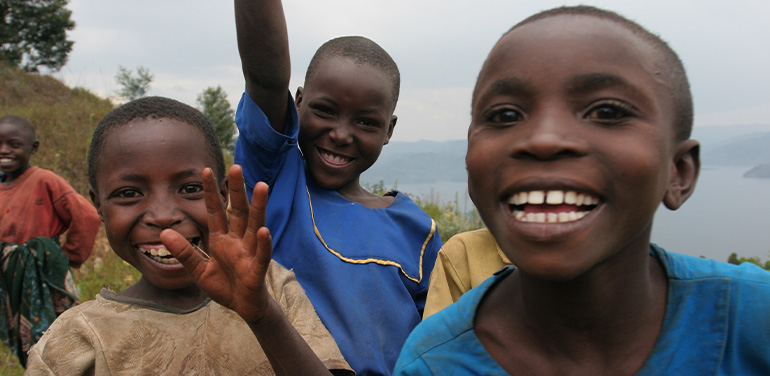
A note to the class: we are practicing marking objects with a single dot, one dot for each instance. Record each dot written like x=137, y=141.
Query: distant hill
x=419, y=162
x=747, y=150
x=761, y=171
x=64, y=119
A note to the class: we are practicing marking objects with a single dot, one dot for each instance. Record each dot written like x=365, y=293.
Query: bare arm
x=263, y=44
x=233, y=273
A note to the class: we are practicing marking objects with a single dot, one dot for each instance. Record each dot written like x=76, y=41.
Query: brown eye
x=505, y=116
x=191, y=188
x=610, y=112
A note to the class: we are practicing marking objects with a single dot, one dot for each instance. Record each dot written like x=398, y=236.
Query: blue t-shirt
x=365, y=270
x=717, y=322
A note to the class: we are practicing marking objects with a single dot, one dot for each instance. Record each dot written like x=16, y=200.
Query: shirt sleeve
x=446, y=280
x=66, y=348
x=285, y=289
x=260, y=150
x=82, y=221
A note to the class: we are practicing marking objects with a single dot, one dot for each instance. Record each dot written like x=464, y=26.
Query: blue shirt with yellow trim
x=717, y=322
x=365, y=270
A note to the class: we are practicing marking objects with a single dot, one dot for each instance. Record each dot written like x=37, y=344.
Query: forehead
x=150, y=143
x=357, y=80
x=13, y=130
x=573, y=45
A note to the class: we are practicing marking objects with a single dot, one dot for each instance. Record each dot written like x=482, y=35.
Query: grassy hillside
x=64, y=119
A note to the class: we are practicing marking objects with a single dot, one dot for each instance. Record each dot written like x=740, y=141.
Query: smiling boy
x=363, y=259
x=36, y=208
x=156, y=166
x=580, y=130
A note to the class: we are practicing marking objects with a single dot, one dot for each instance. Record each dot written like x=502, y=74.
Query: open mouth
x=159, y=253
x=333, y=158
x=552, y=206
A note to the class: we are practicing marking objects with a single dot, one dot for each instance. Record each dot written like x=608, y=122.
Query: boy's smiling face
x=571, y=148
x=17, y=143
x=346, y=116
x=149, y=179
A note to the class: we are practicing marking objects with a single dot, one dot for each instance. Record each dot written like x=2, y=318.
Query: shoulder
x=450, y=329
x=464, y=242
x=51, y=179
x=689, y=268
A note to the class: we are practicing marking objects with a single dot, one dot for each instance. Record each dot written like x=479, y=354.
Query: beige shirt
x=465, y=260
x=112, y=335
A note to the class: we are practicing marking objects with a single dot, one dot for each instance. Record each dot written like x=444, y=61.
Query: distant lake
x=727, y=213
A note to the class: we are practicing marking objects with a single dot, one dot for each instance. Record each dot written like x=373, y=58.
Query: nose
x=163, y=212
x=4, y=148
x=549, y=136
x=342, y=132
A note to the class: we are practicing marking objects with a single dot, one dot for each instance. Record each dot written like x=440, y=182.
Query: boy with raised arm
x=363, y=259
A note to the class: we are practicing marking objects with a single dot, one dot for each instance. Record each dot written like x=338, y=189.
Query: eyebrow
x=598, y=81
x=176, y=176
x=507, y=85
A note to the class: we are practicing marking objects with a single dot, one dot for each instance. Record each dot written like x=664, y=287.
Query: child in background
x=581, y=101
x=36, y=207
x=148, y=165
x=363, y=259
x=464, y=262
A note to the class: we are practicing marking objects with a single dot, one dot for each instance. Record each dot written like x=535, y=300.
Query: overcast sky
x=190, y=45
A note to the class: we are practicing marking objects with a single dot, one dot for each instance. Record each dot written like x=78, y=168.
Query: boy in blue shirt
x=580, y=129
x=364, y=260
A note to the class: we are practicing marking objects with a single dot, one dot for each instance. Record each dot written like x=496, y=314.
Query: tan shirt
x=465, y=260
x=112, y=335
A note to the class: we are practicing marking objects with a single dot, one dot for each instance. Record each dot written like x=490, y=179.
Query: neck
x=604, y=322
x=10, y=177
x=353, y=191
x=184, y=298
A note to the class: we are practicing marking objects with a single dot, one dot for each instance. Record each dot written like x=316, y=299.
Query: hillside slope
x=64, y=119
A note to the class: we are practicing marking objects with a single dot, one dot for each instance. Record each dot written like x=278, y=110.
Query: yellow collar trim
x=372, y=260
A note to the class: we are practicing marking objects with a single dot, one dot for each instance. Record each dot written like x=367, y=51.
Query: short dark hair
x=360, y=50
x=153, y=108
x=671, y=67
x=20, y=121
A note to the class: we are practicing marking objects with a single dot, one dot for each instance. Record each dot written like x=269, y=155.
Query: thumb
x=191, y=258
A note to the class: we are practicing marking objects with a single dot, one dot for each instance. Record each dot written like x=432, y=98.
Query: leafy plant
x=213, y=103
x=34, y=33
x=133, y=86
x=737, y=260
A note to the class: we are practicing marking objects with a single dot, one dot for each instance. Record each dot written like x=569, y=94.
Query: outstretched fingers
x=256, y=217
x=215, y=209
x=239, y=203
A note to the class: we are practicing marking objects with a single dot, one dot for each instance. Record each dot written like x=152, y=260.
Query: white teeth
x=335, y=158
x=563, y=217
x=554, y=197
x=536, y=197
x=158, y=254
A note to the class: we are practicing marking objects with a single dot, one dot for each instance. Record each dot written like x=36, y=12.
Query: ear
x=392, y=125
x=35, y=145
x=97, y=203
x=683, y=175
x=298, y=97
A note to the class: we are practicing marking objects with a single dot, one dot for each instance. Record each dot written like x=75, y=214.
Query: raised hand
x=231, y=270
